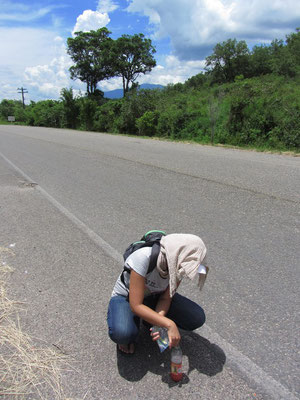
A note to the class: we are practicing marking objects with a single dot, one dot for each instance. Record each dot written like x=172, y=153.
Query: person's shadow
x=201, y=354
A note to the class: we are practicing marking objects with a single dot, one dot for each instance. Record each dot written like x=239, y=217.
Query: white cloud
x=47, y=80
x=195, y=26
x=106, y=6
x=20, y=12
x=27, y=16
x=111, y=84
x=23, y=47
x=58, y=39
x=91, y=20
x=173, y=71
x=27, y=64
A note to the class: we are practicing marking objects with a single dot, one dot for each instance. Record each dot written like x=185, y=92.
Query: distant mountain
x=118, y=93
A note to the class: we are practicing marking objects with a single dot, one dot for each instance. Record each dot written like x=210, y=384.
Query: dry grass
x=26, y=371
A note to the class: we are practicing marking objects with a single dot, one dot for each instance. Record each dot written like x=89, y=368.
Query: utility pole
x=23, y=90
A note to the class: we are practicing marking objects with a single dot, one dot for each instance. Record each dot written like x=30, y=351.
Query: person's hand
x=174, y=336
x=155, y=335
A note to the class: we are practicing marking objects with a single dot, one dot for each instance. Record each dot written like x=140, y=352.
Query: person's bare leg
x=126, y=348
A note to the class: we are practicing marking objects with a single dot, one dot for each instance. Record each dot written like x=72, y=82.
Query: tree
x=196, y=81
x=229, y=59
x=45, y=113
x=88, y=107
x=71, y=107
x=132, y=56
x=278, y=57
x=7, y=107
x=283, y=59
x=293, y=45
x=90, y=53
x=261, y=60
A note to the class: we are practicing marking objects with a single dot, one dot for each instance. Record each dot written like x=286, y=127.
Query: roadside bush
x=264, y=111
x=20, y=114
x=45, y=113
x=87, y=107
x=7, y=107
x=70, y=107
x=147, y=123
x=134, y=105
x=12, y=108
x=172, y=123
x=106, y=116
x=259, y=112
x=197, y=128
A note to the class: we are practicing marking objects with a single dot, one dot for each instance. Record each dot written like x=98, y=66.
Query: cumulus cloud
x=111, y=84
x=173, y=71
x=27, y=64
x=192, y=26
x=47, y=80
x=106, y=6
x=91, y=20
x=23, y=46
x=195, y=26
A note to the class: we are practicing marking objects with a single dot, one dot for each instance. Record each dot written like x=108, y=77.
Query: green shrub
x=71, y=108
x=45, y=113
x=12, y=108
x=106, y=116
x=147, y=123
x=87, y=107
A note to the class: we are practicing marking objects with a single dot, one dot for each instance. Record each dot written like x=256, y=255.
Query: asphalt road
x=95, y=194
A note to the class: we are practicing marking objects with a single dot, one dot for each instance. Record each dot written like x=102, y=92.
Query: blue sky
x=33, y=36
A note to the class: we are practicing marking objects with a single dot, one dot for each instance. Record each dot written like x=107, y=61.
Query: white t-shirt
x=139, y=262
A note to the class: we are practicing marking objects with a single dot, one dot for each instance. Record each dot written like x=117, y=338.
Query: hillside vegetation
x=244, y=99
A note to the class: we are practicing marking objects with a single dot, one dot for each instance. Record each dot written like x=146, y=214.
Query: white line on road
x=237, y=361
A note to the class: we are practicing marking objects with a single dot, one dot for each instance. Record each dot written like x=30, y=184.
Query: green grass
x=204, y=142
x=259, y=148
x=3, y=122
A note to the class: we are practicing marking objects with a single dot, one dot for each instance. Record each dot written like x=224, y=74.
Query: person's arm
x=164, y=302
x=136, y=297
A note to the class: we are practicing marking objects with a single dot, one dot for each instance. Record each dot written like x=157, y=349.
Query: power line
x=23, y=90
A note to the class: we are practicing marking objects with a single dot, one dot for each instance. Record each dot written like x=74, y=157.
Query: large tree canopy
x=229, y=59
x=132, y=56
x=98, y=57
x=90, y=53
x=232, y=58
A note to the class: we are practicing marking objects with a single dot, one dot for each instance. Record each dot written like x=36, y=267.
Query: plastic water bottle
x=176, y=364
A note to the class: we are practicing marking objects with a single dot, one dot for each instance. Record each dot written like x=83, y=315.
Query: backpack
x=150, y=239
